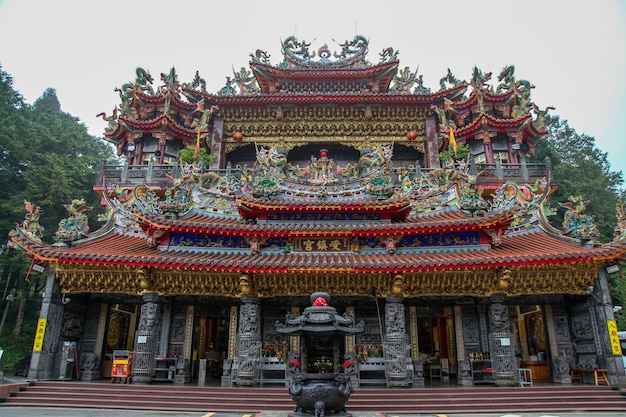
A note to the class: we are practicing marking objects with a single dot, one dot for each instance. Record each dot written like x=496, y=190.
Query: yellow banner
x=614, y=336
x=41, y=331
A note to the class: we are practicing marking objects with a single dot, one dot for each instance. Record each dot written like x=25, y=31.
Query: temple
x=417, y=210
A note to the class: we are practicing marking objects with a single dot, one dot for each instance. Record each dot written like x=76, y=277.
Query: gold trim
x=569, y=279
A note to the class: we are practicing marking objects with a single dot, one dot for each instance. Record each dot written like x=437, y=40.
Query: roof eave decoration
x=296, y=54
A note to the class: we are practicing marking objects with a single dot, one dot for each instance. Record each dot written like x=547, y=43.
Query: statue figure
x=149, y=316
x=499, y=317
x=30, y=227
x=396, y=286
x=112, y=119
x=75, y=226
x=576, y=222
x=245, y=285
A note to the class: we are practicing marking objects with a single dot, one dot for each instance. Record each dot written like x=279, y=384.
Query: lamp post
x=9, y=298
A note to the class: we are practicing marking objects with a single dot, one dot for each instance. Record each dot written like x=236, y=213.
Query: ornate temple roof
x=372, y=211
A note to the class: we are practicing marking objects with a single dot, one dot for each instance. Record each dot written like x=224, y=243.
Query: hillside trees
x=47, y=158
x=580, y=168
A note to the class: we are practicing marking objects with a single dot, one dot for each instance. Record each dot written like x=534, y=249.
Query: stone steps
x=429, y=400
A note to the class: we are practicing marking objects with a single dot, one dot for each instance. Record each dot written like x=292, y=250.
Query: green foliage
x=580, y=168
x=48, y=158
x=617, y=284
x=186, y=155
x=16, y=127
x=13, y=268
x=461, y=153
x=48, y=102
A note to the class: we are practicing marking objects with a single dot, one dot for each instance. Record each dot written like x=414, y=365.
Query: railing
x=516, y=172
x=157, y=175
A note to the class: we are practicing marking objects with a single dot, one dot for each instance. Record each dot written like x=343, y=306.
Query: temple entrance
x=435, y=349
x=119, y=333
x=528, y=323
x=210, y=341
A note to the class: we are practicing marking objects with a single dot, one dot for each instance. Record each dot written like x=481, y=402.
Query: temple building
x=417, y=210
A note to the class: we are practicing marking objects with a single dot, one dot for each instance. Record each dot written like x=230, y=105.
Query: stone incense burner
x=318, y=373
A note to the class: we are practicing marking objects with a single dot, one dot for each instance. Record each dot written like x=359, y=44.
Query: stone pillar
x=146, y=339
x=396, y=347
x=249, y=335
x=48, y=331
x=502, y=345
x=418, y=365
x=90, y=362
x=431, y=146
x=603, y=311
x=559, y=343
x=217, y=143
x=227, y=366
x=464, y=375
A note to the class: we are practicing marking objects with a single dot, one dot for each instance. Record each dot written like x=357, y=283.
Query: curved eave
x=490, y=122
x=489, y=99
x=441, y=222
x=156, y=100
x=381, y=99
x=322, y=73
x=157, y=125
x=517, y=251
x=249, y=209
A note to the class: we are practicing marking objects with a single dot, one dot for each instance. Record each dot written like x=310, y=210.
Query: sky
x=573, y=51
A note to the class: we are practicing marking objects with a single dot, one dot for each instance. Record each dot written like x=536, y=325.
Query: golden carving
x=144, y=280
x=261, y=125
x=245, y=285
x=396, y=286
x=513, y=281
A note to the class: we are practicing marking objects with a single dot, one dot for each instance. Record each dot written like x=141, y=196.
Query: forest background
x=47, y=157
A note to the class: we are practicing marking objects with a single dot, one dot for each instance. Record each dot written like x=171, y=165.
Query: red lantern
x=237, y=136
x=413, y=134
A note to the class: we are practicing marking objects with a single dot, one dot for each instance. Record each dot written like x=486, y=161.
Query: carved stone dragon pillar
x=146, y=336
x=396, y=346
x=249, y=336
x=502, y=346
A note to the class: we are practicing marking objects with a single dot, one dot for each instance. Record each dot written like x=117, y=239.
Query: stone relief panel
x=581, y=327
x=471, y=333
x=178, y=329
x=395, y=320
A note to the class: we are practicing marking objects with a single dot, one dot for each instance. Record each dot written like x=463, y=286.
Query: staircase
x=444, y=400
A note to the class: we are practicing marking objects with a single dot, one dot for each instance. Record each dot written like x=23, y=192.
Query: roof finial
x=356, y=22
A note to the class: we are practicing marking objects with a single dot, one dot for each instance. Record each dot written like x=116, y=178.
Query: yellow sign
x=41, y=331
x=614, y=336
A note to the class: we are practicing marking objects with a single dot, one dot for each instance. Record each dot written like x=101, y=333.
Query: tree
x=48, y=158
x=580, y=168
x=15, y=125
x=48, y=102
x=62, y=164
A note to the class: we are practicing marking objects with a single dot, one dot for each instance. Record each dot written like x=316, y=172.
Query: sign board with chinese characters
x=39, y=334
x=616, y=347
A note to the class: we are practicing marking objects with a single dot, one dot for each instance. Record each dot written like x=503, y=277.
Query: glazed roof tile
x=534, y=247
x=441, y=220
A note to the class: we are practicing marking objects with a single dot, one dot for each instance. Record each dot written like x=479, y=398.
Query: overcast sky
x=573, y=51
